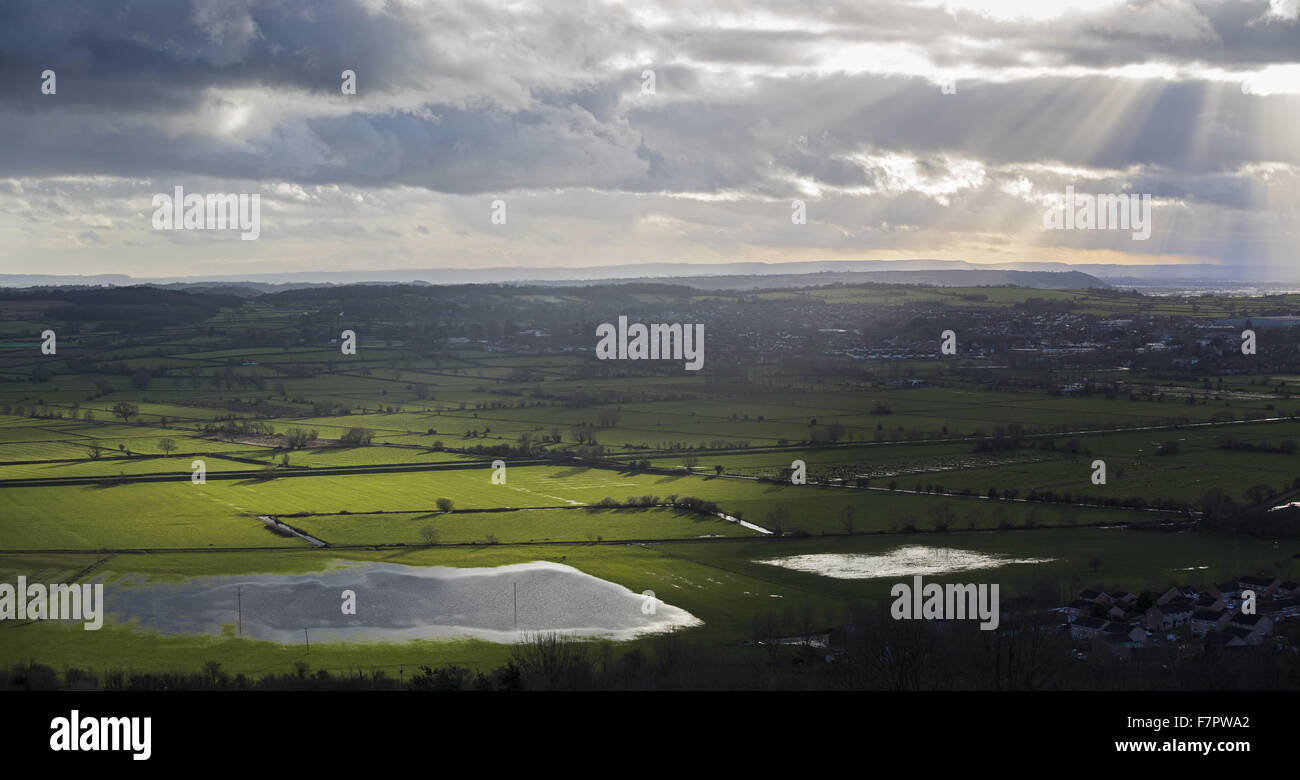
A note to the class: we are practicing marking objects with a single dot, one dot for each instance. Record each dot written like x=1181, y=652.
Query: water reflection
x=906, y=561
x=396, y=603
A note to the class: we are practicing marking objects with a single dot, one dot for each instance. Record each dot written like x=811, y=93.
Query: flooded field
x=396, y=603
x=906, y=561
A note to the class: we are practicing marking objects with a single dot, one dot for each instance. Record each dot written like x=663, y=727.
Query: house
x=1096, y=597
x=1087, y=628
x=1122, y=597
x=1256, y=624
x=1169, y=615
x=1230, y=592
x=1170, y=595
x=1223, y=639
x=1261, y=585
x=1279, y=609
x=1211, y=603
x=1133, y=635
x=1177, y=593
x=1204, y=621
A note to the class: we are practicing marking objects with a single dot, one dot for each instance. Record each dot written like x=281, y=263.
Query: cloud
x=543, y=105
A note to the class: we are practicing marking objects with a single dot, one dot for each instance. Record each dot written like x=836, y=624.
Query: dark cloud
x=757, y=102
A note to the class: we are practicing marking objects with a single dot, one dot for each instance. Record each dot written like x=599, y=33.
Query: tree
x=1258, y=494
x=718, y=470
x=212, y=670
x=1094, y=563
x=1217, y=504
x=126, y=410
x=690, y=462
x=95, y=451
x=941, y=516
x=429, y=534
x=357, y=436
x=141, y=379
x=776, y=520
x=167, y=446
x=446, y=504
x=297, y=438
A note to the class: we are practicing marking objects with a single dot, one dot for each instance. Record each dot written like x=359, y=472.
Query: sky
x=525, y=134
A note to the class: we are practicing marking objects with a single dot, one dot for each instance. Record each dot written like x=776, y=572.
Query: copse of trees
x=239, y=427
x=357, y=436
x=297, y=438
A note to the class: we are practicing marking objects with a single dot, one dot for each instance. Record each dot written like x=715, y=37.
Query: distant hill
x=1121, y=275
x=1043, y=280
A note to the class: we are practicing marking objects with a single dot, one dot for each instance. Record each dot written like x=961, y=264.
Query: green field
x=96, y=453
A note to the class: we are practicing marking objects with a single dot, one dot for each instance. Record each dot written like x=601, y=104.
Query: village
x=1218, y=616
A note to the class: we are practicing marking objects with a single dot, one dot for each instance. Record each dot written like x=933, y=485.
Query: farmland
x=186, y=449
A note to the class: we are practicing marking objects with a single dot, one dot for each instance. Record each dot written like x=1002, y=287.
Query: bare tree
x=126, y=410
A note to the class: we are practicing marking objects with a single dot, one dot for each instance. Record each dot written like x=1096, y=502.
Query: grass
x=172, y=515
x=720, y=582
x=662, y=417
x=523, y=526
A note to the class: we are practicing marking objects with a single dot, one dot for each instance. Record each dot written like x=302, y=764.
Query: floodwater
x=906, y=561
x=396, y=603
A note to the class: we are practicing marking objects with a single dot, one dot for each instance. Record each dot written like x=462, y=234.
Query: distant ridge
x=1046, y=280
x=266, y=282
